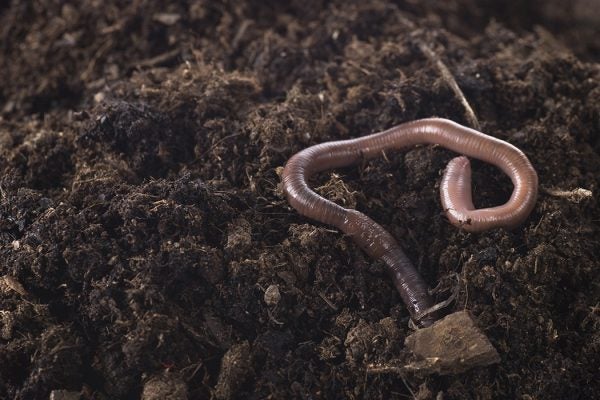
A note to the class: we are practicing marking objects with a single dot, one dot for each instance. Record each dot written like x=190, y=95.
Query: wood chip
x=8, y=282
x=450, y=346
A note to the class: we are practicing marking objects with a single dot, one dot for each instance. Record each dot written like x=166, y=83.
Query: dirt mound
x=148, y=250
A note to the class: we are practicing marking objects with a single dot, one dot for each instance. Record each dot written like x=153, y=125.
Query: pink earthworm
x=455, y=191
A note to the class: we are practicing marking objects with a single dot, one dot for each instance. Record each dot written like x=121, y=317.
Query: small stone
x=166, y=18
x=450, y=346
x=272, y=295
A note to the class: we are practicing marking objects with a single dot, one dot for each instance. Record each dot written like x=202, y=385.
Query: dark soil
x=148, y=250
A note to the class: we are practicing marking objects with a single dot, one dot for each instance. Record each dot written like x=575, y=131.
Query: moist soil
x=148, y=250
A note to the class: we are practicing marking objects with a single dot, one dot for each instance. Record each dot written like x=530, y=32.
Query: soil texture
x=148, y=250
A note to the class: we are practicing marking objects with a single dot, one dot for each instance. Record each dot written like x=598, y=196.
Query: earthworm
x=455, y=192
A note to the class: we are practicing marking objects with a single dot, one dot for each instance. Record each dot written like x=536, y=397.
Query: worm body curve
x=455, y=192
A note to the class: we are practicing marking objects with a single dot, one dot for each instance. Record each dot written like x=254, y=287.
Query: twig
x=386, y=369
x=157, y=60
x=449, y=78
x=575, y=195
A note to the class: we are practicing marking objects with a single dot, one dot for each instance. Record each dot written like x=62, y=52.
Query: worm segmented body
x=455, y=193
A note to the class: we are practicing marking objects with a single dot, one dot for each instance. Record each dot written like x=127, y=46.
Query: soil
x=148, y=250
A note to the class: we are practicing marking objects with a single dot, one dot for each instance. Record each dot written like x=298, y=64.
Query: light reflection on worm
x=455, y=193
